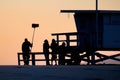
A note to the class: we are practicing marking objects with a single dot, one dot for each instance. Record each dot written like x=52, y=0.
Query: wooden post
x=93, y=58
x=57, y=39
x=18, y=59
x=67, y=40
x=33, y=59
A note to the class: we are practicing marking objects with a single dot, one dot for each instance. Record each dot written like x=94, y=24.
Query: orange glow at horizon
x=17, y=16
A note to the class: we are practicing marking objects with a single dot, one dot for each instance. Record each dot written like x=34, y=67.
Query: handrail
x=67, y=39
x=33, y=59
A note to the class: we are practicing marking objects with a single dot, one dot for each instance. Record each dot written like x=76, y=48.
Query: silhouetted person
x=26, y=50
x=62, y=53
x=54, y=47
x=46, y=51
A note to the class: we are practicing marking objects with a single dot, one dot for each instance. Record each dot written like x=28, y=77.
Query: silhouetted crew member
x=26, y=50
x=54, y=47
x=62, y=53
x=46, y=51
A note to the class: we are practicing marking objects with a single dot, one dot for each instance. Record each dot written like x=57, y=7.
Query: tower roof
x=90, y=11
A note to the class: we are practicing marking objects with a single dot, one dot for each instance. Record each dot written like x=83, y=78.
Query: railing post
x=57, y=39
x=18, y=58
x=33, y=58
x=93, y=58
x=67, y=40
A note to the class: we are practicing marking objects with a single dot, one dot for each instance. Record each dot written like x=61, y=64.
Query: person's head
x=26, y=40
x=53, y=40
x=45, y=41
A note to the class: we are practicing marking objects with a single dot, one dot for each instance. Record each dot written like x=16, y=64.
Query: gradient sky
x=16, y=17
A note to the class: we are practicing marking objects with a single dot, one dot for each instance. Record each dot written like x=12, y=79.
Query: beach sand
x=81, y=72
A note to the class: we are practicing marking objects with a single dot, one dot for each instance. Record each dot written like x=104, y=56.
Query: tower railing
x=71, y=39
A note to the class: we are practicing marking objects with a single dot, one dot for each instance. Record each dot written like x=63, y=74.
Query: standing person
x=54, y=47
x=26, y=48
x=62, y=53
x=46, y=51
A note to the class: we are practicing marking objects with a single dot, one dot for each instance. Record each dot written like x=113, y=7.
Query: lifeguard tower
x=96, y=30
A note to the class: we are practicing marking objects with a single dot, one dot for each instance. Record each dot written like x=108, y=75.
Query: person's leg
x=55, y=62
x=27, y=59
x=52, y=59
x=24, y=58
x=47, y=59
x=55, y=59
x=51, y=62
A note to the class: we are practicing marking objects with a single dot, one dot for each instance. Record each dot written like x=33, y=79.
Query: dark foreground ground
x=96, y=72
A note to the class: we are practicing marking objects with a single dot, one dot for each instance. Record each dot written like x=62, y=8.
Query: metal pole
x=96, y=23
x=33, y=37
x=34, y=26
x=96, y=4
x=96, y=46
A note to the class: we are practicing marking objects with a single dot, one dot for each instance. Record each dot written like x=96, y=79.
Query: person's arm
x=31, y=45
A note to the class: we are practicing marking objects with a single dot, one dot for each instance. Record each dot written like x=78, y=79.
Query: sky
x=17, y=16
